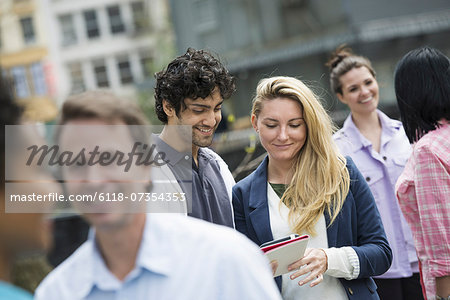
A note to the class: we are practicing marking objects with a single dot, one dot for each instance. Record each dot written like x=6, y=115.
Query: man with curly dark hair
x=190, y=91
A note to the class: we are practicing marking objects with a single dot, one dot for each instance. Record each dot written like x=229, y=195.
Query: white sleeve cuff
x=342, y=263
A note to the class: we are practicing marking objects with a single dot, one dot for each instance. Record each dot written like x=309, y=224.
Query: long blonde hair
x=320, y=178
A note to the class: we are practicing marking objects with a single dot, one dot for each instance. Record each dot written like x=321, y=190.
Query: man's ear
x=168, y=109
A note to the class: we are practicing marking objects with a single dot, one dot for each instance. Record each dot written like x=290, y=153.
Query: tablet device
x=285, y=251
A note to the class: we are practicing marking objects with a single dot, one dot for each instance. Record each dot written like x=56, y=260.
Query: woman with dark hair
x=422, y=87
x=379, y=147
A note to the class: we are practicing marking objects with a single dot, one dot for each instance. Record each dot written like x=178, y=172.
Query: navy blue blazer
x=358, y=225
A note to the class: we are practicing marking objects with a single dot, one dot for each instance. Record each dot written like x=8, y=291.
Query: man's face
x=203, y=114
x=107, y=180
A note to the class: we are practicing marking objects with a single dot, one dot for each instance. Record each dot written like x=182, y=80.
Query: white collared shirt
x=179, y=258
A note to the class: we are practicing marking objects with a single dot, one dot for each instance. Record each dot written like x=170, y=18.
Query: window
x=19, y=75
x=76, y=78
x=205, y=15
x=68, y=35
x=124, y=70
x=27, y=30
x=146, y=62
x=299, y=18
x=139, y=16
x=38, y=75
x=100, y=72
x=115, y=19
x=92, y=29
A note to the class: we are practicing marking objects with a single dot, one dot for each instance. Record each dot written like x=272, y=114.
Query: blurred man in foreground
x=131, y=254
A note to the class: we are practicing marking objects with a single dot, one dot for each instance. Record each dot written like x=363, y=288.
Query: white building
x=24, y=57
x=104, y=43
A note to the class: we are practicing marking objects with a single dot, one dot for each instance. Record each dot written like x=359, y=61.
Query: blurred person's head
x=101, y=119
x=296, y=131
x=190, y=91
x=101, y=105
x=422, y=88
x=352, y=79
x=10, y=113
x=20, y=232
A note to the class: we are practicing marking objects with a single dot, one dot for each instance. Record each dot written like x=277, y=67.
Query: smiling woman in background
x=305, y=186
x=379, y=147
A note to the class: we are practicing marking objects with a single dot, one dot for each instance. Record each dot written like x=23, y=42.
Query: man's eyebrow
x=204, y=105
x=200, y=105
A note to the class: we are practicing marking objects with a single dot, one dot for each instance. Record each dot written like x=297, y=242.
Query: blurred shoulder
x=68, y=274
x=435, y=141
x=196, y=234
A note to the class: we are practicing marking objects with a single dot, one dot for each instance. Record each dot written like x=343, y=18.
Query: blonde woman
x=305, y=186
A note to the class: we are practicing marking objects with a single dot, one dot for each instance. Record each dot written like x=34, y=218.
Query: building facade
x=24, y=57
x=260, y=38
x=109, y=44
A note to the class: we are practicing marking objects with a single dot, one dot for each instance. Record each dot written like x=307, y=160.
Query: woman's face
x=359, y=91
x=282, y=129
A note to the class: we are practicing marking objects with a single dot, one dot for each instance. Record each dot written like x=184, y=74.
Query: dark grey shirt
x=205, y=189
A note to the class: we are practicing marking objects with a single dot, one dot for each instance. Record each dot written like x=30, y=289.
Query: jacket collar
x=259, y=181
x=389, y=128
x=259, y=209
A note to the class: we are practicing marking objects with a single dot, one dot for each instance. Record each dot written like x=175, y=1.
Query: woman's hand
x=274, y=265
x=315, y=262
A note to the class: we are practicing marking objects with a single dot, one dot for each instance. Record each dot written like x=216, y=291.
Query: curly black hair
x=10, y=114
x=192, y=75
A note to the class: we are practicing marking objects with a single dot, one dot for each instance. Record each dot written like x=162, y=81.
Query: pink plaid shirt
x=423, y=191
